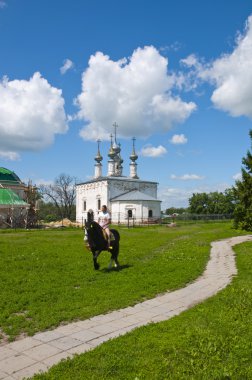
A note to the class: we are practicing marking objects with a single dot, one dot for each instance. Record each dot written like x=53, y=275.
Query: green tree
x=175, y=210
x=198, y=203
x=243, y=194
x=213, y=203
x=48, y=211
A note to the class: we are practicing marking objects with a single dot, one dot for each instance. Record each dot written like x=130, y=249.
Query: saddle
x=112, y=237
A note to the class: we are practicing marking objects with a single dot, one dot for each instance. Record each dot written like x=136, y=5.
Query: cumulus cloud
x=187, y=177
x=152, y=151
x=190, y=61
x=237, y=176
x=231, y=74
x=178, y=197
x=31, y=113
x=178, y=139
x=12, y=156
x=135, y=92
x=67, y=65
x=174, y=197
x=189, y=79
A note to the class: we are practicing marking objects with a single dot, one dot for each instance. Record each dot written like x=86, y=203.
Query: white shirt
x=104, y=219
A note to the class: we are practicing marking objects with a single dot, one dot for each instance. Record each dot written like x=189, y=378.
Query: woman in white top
x=104, y=219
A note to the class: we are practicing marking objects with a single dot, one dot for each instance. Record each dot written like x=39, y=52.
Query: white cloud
x=237, y=176
x=178, y=197
x=31, y=113
x=12, y=156
x=178, y=139
x=135, y=92
x=187, y=177
x=175, y=46
x=174, y=197
x=190, y=61
x=152, y=151
x=190, y=78
x=232, y=76
x=67, y=65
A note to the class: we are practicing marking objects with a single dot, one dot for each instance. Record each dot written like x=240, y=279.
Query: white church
x=129, y=199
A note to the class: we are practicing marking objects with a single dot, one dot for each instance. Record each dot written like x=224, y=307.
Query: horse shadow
x=116, y=269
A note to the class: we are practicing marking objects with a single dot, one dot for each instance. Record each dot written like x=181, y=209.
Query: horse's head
x=93, y=233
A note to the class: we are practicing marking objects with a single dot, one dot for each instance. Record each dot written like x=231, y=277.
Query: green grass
x=211, y=341
x=47, y=277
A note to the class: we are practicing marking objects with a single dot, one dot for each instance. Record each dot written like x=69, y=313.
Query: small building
x=129, y=199
x=13, y=207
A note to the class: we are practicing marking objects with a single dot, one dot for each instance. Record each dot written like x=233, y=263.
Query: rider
x=104, y=219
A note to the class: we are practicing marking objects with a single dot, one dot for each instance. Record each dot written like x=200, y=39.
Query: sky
x=176, y=75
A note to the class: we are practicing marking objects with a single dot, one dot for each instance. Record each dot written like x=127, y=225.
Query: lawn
x=47, y=277
x=211, y=341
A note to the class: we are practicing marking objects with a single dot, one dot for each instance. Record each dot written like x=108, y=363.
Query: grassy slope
x=47, y=277
x=211, y=341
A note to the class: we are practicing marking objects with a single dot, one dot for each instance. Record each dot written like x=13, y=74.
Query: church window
x=84, y=205
x=130, y=213
x=150, y=214
x=98, y=204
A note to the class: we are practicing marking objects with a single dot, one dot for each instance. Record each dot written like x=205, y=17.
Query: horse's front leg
x=117, y=265
x=95, y=257
x=114, y=255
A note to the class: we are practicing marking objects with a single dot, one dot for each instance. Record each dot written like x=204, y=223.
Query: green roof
x=9, y=198
x=8, y=176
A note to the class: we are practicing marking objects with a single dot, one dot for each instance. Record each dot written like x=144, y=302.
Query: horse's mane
x=96, y=226
x=95, y=233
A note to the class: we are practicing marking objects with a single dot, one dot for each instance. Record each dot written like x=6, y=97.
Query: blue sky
x=175, y=74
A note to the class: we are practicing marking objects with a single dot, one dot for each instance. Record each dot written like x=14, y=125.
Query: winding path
x=35, y=354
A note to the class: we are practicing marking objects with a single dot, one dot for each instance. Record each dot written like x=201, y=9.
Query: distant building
x=13, y=207
x=127, y=198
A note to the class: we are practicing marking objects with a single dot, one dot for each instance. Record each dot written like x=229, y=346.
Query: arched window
x=84, y=205
x=98, y=203
x=150, y=214
x=130, y=213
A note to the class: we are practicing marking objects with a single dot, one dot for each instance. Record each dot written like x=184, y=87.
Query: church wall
x=139, y=209
x=89, y=194
x=88, y=197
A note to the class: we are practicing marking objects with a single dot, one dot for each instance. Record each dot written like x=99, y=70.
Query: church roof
x=134, y=195
x=8, y=177
x=10, y=198
x=110, y=178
